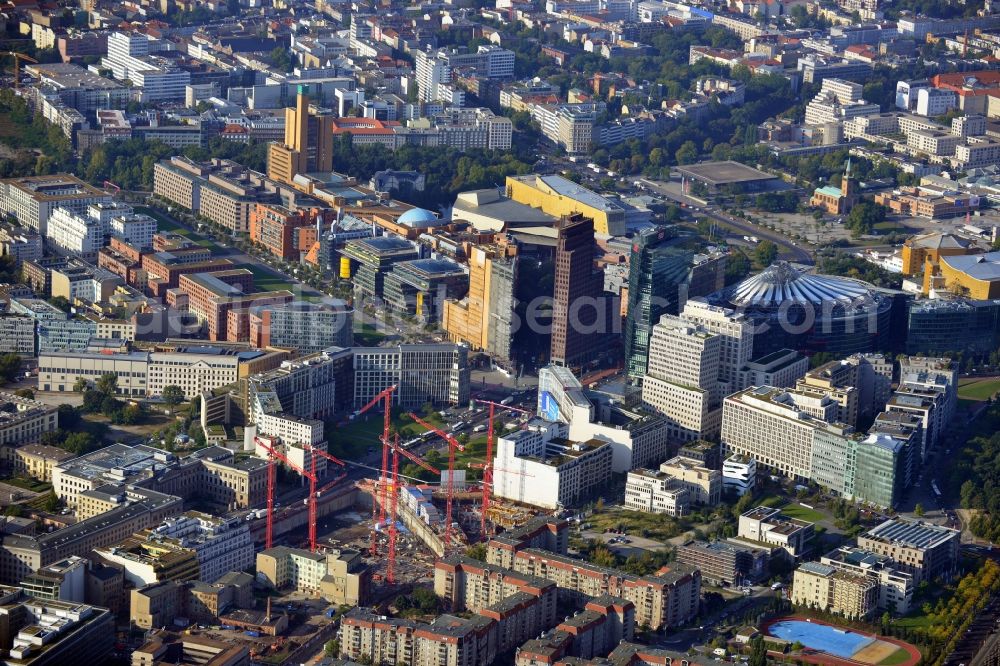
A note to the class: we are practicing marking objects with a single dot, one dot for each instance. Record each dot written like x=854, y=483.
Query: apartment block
x=895, y=588
x=542, y=532
x=828, y=589
x=669, y=598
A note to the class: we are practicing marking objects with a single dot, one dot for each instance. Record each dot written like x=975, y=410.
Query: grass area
x=978, y=389
x=771, y=501
x=900, y=656
x=367, y=335
x=353, y=439
x=28, y=483
x=265, y=280
x=163, y=223
x=650, y=526
x=802, y=513
x=920, y=621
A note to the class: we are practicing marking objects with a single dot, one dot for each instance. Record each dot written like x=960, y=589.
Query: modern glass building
x=940, y=326
x=658, y=275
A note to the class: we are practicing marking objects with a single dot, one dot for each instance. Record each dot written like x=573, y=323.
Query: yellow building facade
x=558, y=197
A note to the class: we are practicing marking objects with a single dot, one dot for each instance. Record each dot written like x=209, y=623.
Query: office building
x=145, y=562
x=17, y=335
x=638, y=438
x=581, y=313
x=132, y=57
x=339, y=576
x=943, y=326
x=682, y=378
x=214, y=472
x=781, y=369
x=658, y=276
x=775, y=426
x=33, y=199
x=559, y=197
x=24, y=419
x=20, y=244
x=736, y=332
x=163, y=647
x=308, y=144
x=704, y=485
x=483, y=318
x=371, y=259
x=38, y=460
x=767, y=525
x=895, y=588
x=306, y=327
x=822, y=587
x=723, y=563
x=920, y=549
x=652, y=491
x=436, y=373
x=220, y=545
x=50, y=632
x=20, y=556
x=219, y=300
x=419, y=288
x=539, y=466
x=65, y=580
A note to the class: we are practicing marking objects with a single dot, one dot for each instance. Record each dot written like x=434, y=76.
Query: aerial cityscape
x=515, y=332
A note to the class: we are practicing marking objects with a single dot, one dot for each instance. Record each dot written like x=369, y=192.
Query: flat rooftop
x=911, y=533
x=724, y=173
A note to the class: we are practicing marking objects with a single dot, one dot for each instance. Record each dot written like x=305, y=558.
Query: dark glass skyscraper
x=657, y=283
x=580, y=310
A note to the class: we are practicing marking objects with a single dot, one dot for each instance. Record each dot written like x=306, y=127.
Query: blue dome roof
x=419, y=217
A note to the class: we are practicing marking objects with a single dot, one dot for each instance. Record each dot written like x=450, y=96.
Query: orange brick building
x=276, y=228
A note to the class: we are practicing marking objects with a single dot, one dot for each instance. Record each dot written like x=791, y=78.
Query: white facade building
x=221, y=544
x=656, y=492
x=76, y=234
x=739, y=474
x=539, y=466
x=130, y=58
x=935, y=101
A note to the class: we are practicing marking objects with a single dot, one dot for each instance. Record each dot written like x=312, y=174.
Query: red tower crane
x=310, y=448
x=272, y=455
x=449, y=497
x=378, y=508
x=488, y=469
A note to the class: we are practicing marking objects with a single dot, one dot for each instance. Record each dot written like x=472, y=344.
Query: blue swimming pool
x=838, y=642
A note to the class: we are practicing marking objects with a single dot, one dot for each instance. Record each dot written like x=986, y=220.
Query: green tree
x=52, y=502
x=25, y=393
x=107, y=384
x=10, y=366
x=477, y=552
x=758, y=652
x=918, y=510
x=332, y=648
x=687, y=153
x=765, y=253
x=14, y=511
x=80, y=385
x=863, y=217
x=173, y=395
x=61, y=302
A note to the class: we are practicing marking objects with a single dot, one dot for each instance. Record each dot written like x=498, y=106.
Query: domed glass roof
x=419, y=217
x=780, y=283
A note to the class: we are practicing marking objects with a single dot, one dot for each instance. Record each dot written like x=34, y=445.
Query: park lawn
x=352, y=440
x=978, y=389
x=802, y=513
x=771, y=501
x=917, y=621
x=650, y=526
x=900, y=656
x=367, y=335
x=163, y=223
x=265, y=280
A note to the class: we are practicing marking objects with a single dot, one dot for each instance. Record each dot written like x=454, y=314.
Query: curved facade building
x=815, y=313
